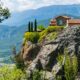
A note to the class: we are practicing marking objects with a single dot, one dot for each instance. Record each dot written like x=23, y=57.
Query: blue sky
x=21, y=5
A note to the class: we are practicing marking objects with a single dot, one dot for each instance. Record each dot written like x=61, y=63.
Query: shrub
x=42, y=35
x=50, y=32
x=35, y=37
x=7, y=73
x=54, y=28
x=52, y=35
x=41, y=27
x=70, y=67
x=17, y=59
x=37, y=75
x=31, y=36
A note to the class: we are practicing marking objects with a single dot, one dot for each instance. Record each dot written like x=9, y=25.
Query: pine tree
x=31, y=26
x=35, y=25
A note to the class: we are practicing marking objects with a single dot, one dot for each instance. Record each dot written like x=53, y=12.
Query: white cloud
x=20, y=5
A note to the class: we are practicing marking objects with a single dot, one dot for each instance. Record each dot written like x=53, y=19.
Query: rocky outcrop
x=29, y=52
x=44, y=57
x=69, y=38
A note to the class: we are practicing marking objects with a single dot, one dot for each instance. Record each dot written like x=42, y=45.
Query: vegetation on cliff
x=36, y=37
x=63, y=66
x=31, y=36
x=71, y=67
x=12, y=73
x=32, y=26
x=70, y=71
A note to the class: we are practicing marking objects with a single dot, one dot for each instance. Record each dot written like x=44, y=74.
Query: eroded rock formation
x=44, y=56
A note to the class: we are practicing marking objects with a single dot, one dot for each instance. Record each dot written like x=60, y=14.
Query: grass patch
x=7, y=73
x=54, y=28
x=42, y=35
x=50, y=33
x=52, y=36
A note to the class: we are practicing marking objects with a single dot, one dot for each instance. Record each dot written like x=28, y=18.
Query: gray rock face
x=69, y=38
x=46, y=57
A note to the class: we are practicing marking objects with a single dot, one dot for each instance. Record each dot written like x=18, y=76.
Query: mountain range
x=12, y=29
x=44, y=13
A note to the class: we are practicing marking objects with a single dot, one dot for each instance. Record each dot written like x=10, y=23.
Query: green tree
x=29, y=26
x=31, y=29
x=35, y=25
x=4, y=13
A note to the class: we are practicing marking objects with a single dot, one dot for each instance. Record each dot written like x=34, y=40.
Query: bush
x=31, y=36
x=35, y=37
x=37, y=75
x=70, y=67
x=7, y=73
x=50, y=32
x=52, y=35
x=49, y=36
x=54, y=28
x=41, y=27
x=43, y=35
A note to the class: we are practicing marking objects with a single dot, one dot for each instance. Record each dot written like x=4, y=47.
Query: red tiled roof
x=75, y=21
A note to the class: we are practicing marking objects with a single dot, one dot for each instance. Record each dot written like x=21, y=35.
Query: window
x=60, y=22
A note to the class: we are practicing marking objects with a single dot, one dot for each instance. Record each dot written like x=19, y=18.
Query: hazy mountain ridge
x=21, y=18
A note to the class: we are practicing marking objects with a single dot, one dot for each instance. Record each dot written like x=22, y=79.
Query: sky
x=21, y=5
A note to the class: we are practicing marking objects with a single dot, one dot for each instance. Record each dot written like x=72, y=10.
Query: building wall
x=74, y=24
x=61, y=21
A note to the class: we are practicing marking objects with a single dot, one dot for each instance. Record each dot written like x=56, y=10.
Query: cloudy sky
x=21, y=5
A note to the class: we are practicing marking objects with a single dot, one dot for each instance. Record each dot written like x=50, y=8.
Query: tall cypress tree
x=35, y=25
x=29, y=26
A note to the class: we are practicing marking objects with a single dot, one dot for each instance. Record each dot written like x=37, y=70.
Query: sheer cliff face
x=41, y=57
